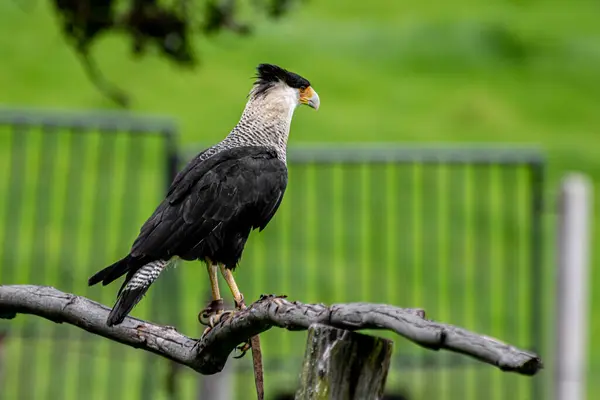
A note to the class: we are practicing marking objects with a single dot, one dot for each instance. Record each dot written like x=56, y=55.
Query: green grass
x=461, y=71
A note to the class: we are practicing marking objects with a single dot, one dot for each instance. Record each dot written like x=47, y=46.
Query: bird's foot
x=214, y=319
x=243, y=349
x=214, y=308
x=273, y=297
x=212, y=315
x=239, y=303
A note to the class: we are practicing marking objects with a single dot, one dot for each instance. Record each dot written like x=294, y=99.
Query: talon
x=243, y=348
x=213, y=320
x=272, y=297
x=240, y=305
x=208, y=329
x=203, y=318
x=277, y=300
x=215, y=307
x=227, y=313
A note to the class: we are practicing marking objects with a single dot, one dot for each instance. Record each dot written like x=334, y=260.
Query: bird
x=213, y=204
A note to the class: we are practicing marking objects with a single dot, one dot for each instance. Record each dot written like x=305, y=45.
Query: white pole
x=575, y=218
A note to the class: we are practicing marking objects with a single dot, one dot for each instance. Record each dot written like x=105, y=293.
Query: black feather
x=213, y=207
x=112, y=271
x=125, y=303
x=269, y=74
x=116, y=270
x=210, y=209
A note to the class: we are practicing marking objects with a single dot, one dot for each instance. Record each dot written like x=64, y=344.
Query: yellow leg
x=211, y=314
x=254, y=342
x=214, y=281
x=237, y=296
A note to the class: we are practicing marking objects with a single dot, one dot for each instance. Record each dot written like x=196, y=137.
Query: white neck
x=266, y=119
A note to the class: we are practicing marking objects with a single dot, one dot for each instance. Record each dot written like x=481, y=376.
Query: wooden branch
x=339, y=364
x=210, y=355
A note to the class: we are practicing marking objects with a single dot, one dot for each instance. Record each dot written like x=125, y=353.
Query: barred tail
x=133, y=289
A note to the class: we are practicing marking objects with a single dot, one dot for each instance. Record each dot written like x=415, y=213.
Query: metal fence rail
x=456, y=231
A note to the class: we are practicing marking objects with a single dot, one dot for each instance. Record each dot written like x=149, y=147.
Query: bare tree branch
x=210, y=355
x=99, y=80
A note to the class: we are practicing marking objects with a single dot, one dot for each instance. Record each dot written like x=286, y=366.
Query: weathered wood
x=208, y=356
x=340, y=364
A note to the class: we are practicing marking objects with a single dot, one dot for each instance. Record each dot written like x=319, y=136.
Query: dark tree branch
x=209, y=356
x=169, y=27
x=102, y=84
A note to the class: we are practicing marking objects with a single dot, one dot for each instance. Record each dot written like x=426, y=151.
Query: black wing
x=244, y=186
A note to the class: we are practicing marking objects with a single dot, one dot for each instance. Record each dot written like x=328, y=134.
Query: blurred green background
x=512, y=72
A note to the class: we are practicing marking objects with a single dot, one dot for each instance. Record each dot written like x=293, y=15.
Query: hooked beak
x=310, y=97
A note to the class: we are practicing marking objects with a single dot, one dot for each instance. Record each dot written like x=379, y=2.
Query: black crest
x=268, y=74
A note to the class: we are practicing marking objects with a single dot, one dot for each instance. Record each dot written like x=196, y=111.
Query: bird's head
x=274, y=83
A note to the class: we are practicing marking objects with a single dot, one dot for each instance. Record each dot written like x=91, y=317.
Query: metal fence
x=452, y=230
x=74, y=188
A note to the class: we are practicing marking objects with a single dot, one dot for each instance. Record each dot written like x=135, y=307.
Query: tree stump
x=343, y=365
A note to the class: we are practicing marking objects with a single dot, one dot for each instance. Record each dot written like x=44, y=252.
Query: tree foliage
x=169, y=26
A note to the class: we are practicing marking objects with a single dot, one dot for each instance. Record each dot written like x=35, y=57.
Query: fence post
x=575, y=217
x=340, y=364
x=3, y=336
x=218, y=386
